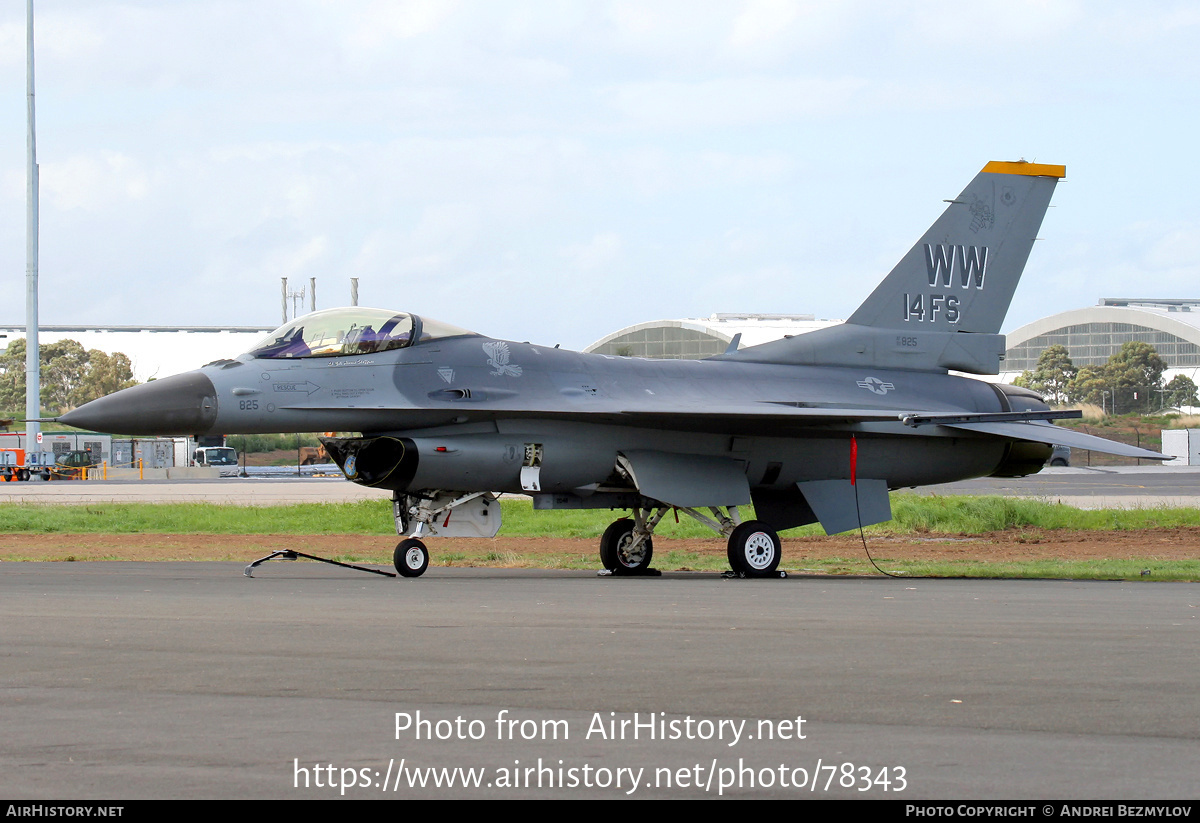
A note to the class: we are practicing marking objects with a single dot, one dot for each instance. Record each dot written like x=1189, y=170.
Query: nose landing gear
x=411, y=558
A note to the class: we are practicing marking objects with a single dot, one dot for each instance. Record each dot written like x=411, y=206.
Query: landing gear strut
x=434, y=512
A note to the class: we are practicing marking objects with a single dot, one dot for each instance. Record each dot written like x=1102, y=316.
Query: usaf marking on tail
x=785, y=425
x=942, y=261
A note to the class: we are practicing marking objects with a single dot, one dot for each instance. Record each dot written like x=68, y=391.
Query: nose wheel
x=411, y=558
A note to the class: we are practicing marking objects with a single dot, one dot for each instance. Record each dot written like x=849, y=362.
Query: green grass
x=912, y=514
x=367, y=517
x=921, y=514
x=918, y=516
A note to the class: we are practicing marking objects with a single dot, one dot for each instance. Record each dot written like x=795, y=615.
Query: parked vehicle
x=72, y=465
x=220, y=457
x=12, y=465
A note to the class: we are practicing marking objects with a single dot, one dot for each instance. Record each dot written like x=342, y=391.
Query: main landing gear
x=754, y=548
x=624, y=549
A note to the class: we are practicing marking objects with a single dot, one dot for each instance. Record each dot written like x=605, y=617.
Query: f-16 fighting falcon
x=817, y=427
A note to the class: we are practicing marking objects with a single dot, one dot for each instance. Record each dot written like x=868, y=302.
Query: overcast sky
x=553, y=171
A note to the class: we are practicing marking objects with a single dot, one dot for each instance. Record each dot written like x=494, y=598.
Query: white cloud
x=380, y=23
x=597, y=254
x=762, y=22
x=731, y=102
x=297, y=260
x=988, y=26
x=437, y=149
x=96, y=182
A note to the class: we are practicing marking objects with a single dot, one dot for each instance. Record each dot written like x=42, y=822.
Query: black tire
x=755, y=549
x=23, y=474
x=410, y=558
x=614, y=549
x=1058, y=461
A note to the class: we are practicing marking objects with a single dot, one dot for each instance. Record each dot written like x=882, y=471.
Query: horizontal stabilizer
x=1059, y=436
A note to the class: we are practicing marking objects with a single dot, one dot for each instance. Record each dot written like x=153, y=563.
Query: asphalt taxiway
x=1093, y=488
x=131, y=680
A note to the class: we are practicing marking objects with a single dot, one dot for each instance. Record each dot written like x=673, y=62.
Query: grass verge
x=929, y=536
x=912, y=514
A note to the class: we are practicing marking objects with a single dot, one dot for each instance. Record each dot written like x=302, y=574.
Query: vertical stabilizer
x=961, y=275
x=941, y=307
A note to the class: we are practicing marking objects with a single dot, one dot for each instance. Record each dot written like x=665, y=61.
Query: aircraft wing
x=732, y=418
x=780, y=418
x=797, y=412
x=1033, y=426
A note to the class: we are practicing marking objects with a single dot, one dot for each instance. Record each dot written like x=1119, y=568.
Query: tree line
x=70, y=375
x=1131, y=381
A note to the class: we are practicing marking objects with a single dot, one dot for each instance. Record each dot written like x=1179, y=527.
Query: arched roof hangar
x=1095, y=333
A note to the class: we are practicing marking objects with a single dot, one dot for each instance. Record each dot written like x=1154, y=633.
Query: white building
x=1093, y=334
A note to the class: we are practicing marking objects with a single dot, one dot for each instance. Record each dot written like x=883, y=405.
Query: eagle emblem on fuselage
x=498, y=357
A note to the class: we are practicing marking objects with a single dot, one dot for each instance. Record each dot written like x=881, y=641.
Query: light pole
x=33, y=375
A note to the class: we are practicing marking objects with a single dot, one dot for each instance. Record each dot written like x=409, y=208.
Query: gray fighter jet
x=815, y=427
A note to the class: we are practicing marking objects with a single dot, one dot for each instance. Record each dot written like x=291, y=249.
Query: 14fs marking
x=942, y=262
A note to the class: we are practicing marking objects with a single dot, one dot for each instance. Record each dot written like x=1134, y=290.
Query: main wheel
x=615, y=554
x=754, y=549
x=411, y=558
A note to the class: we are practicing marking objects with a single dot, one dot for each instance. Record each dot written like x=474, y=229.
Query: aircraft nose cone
x=179, y=405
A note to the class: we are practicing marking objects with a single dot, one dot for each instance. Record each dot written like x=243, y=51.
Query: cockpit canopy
x=354, y=330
